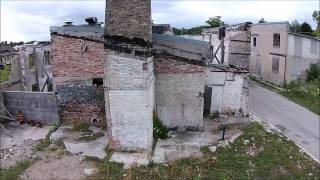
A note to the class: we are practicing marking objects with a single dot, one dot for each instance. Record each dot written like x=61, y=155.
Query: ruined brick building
x=119, y=75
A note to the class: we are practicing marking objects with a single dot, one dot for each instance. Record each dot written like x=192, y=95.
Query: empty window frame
x=145, y=66
x=98, y=82
x=276, y=40
x=50, y=86
x=31, y=61
x=35, y=87
x=275, y=64
x=254, y=41
x=46, y=60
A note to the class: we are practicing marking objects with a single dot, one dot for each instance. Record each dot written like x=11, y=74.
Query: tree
x=215, y=21
x=305, y=27
x=262, y=20
x=295, y=26
x=316, y=17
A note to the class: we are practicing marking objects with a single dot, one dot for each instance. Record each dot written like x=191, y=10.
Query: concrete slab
x=94, y=148
x=17, y=142
x=188, y=144
x=130, y=159
x=20, y=133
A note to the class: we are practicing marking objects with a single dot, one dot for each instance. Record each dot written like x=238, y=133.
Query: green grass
x=305, y=94
x=159, y=130
x=81, y=126
x=5, y=74
x=272, y=157
x=14, y=172
x=44, y=142
x=90, y=137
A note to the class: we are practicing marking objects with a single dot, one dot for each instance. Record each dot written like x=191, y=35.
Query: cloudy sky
x=25, y=20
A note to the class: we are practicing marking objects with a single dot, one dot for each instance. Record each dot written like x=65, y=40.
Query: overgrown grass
x=14, y=172
x=306, y=94
x=82, y=126
x=5, y=73
x=267, y=156
x=46, y=141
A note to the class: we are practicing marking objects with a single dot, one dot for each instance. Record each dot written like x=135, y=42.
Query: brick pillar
x=129, y=18
x=129, y=79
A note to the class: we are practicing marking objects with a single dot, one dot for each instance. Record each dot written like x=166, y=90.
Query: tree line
x=216, y=21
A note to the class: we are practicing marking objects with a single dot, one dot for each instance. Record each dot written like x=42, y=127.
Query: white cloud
x=190, y=13
x=30, y=19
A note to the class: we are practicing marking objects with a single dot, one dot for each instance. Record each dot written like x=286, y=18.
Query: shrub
x=159, y=130
x=314, y=72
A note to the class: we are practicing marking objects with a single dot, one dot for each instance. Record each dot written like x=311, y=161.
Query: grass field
x=266, y=156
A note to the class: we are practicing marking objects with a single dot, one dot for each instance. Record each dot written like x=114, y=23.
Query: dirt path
x=51, y=166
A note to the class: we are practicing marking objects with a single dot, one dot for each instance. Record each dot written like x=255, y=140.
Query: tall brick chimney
x=129, y=18
x=129, y=78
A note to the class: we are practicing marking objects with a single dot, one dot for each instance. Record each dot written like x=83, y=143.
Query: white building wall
x=262, y=54
x=301, y=53
x=229, y=91
x=179, y=100
x=129, y=97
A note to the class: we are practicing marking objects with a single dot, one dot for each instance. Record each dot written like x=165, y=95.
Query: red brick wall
x=69, y=61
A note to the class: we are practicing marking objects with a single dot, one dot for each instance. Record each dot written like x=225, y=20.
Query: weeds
x=267, y=156
x=90, y=137
x=45, y=142
x=159, y=130
x=14, y=172
x=81, y=126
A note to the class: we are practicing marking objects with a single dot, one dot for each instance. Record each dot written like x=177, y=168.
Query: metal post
x=223, y=132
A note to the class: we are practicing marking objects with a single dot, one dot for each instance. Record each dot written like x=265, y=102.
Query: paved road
x=298, y=123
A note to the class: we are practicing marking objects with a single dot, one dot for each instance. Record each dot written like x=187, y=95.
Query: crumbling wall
x=181, y=47
x=179, y=93
x=239, y=49
x=76, y=57
x=37, y=106
x=129, y=18
x=179, y=100
x=229, y=91
x=77, y=64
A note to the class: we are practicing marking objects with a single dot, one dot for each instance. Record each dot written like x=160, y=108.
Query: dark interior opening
x=97, y=82
x=207, y=101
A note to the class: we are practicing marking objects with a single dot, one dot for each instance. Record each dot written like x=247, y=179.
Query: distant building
x=278, y=55
x=36, y=66
x=236, y=42
x=10, y=72
x=162, y=29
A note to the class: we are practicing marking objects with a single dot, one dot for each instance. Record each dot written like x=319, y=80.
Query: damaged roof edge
x=65, y=29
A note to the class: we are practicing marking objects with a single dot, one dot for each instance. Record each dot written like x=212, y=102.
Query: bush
x=314, y=72
x=159, y=131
